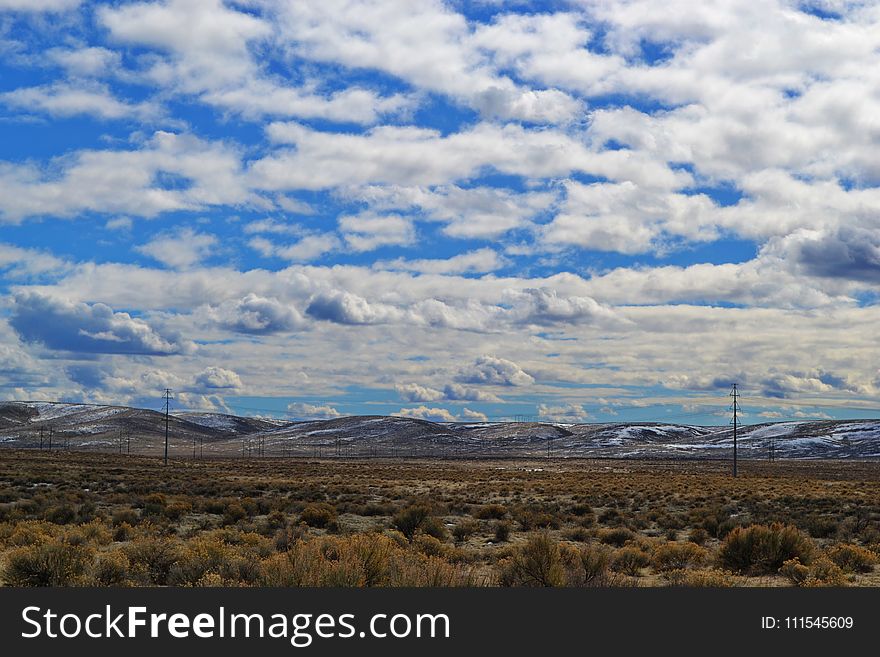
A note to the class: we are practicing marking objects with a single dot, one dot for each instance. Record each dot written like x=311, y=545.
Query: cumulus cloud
x=308, y=248
x=217, y=378
x=426, y=44
x=782, y=385
x=473, y=416
x=17, y=262
x=256, y=315
x=426, y=413
x=412, y=156
x=847, y=253
x=467, y=213
x=182, y=249
x=545, y=307
x=69, y=99
x=490, y=370
x=129, y=182
x=206, y=50
x=569, y=413
x=472, y=262
x=88, y=328
x=366, y=232
x=348, y=308
x=413, y=392
x=304, y=411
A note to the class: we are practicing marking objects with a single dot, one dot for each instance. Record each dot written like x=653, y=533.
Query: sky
x=572, y=211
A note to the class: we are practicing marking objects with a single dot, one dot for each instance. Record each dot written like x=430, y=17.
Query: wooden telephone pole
x=735, y=408
x=167, y=397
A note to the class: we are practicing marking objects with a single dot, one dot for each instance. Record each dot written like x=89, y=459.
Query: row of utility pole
x=251, y=447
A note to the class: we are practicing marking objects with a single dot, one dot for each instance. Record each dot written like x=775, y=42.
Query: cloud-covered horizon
x=572, y=210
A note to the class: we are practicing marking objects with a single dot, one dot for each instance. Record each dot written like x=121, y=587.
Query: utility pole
x=167, y=397
x=735, y=408
x=41, y=436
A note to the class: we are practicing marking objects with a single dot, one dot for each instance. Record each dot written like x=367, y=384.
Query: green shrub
x=48, y=564
x=537, y=563
x=616, y=537
x=120, y=516
x=318, y=515
x=491, y=512
x=152, y=558
x=821, y=572
x=464, y=530
x=407, y=521
x=795, y=572
x=678, y=556
x=111, y=569
x=698, y=536
x=435, y=527
x=577, y=534
x=233, y=513
x=852, y=558
x=587, y=565
x=502, y=531
x=762, y=549
x=629, y=560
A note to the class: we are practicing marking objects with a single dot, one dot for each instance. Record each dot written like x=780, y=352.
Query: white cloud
x=424, y=43
x=473, y=416
x=182, y=249
x=256, y=315
x=471, y=262
x=119, y=223
x=68, y=99
x=426, y=413
x=495, y=371
x=368, y=231
x=309, y=248
x=125, y=181
x=17, y=262
x=39, y=5
x=410, y=156
x=569, y=413
x=413, y=392
x=478, y=212
x=217, y=377
x=208, y=50
x=88, y=328
x=90, y=61
x=306, y=411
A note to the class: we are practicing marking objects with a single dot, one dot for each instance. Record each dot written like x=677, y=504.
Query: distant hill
x=120, y=428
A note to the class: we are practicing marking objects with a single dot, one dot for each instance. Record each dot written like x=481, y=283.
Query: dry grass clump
x=762, y=549
x=852, y=558
x=821, y=572
x=362, y=560
x=536, y=563
x=678, y=556
x=47, y=564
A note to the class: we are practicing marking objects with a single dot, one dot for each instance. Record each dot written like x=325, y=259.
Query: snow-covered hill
x=118, y=428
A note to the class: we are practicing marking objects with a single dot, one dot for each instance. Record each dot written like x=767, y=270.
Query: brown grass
x=111, y=520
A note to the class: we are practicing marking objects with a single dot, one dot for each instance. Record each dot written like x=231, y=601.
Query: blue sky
x=572, y=211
